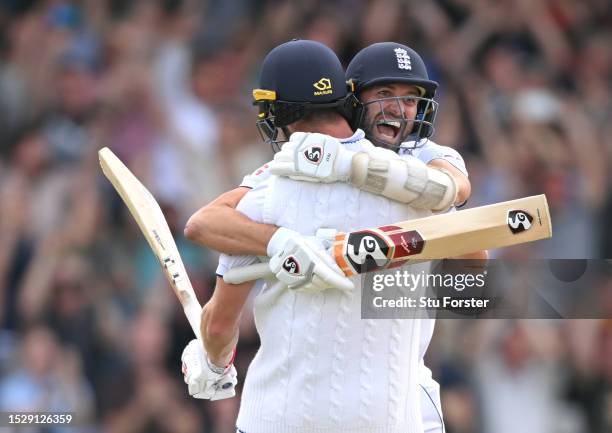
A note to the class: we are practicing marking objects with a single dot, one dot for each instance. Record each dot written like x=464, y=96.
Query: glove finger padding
x=281, y=167
x=331, y=274
x=286, y=154
x=193, y=359
x=313, y=157
x=305, y=265
x=328, y=270
x=287, y=169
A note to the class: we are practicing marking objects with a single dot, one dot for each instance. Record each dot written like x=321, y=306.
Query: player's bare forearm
x=221, y=318
x=221, y=227
x=219, y=343
x=464, y=188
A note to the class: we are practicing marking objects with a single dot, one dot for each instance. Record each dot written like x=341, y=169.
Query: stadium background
x=87, y=324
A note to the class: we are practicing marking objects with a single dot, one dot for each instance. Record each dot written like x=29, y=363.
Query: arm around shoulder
x=219, y=226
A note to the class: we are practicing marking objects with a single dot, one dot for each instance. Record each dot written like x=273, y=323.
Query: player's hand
x=304, y=263
x=201, y=380
x=313, y=157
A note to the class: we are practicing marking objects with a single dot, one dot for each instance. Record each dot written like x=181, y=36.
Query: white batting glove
x=203, y=379
x=304, y=263
x=313, y=157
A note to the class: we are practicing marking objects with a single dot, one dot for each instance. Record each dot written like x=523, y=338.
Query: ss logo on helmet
x=366, y=251
x=519, y=221
x=313, y=154
x=291, y=265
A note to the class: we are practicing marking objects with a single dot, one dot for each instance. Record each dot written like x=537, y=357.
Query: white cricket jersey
x=320, y=367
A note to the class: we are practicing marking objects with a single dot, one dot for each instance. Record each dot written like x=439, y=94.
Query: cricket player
x=324, y=368
x=383, y=75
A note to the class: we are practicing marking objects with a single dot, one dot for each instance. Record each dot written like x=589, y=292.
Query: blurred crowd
x=87, y=323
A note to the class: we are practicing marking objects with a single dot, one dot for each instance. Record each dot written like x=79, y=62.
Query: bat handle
x=247, y=273
x=193, y=312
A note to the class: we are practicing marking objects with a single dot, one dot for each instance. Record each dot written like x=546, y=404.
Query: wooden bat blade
x=151, y=221
x=446, y=235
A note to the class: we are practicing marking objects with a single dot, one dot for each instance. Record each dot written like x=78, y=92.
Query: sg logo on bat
x=519, y=221
x=366, y=251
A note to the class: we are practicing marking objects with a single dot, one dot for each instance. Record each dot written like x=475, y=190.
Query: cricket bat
x=153, y=225
x=435, y=237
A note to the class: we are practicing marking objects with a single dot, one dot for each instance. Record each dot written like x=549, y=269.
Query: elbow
x=194, y=229
x=191, y=229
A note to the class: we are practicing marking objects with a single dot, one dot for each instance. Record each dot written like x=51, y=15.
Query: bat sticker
x=407, y=243
x=367, y=251
x=519, y=221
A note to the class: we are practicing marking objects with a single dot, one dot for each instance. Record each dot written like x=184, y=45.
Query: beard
x=388, y=132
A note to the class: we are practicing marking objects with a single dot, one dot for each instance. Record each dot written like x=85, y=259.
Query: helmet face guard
x=390, y=113
x=393, y=63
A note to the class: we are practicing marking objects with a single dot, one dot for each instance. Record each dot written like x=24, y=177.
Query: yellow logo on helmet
x=323, y=87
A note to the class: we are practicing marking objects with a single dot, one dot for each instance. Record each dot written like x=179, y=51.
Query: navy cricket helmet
x=296, y=78
x=387, y=63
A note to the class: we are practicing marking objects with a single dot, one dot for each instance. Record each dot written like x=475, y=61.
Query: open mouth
x=388, y=129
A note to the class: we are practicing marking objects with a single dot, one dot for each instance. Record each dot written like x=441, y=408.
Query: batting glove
x=304, y=263
x=205, y=380
x=313, y=157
